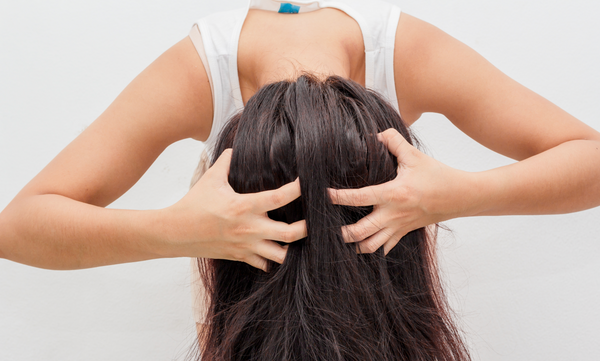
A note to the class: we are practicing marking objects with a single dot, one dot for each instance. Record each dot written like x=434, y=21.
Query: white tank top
x=216, y=39
x=220, y=33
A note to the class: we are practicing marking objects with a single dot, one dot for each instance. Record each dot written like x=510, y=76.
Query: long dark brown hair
x=327, y=301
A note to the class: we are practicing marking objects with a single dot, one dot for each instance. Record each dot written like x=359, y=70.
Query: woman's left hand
x=424, y=192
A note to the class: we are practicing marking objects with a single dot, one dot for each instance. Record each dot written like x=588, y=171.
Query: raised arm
x=58, y=221
x=559, y=156
x=560, y=173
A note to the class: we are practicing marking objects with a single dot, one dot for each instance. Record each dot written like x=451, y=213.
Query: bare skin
x=58, y=220
x=444, y=76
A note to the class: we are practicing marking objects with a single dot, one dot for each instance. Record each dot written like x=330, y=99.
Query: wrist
x=163, y=230
x=483, y=193
x=145, y=233
x=179, y=231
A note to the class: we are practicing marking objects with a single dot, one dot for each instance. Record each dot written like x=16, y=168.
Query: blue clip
x=287, y=8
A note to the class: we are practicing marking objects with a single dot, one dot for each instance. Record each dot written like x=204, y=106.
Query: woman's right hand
x=213, y=221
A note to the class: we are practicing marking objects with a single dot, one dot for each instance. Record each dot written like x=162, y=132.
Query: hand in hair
x=424, y=192
x=213, y=221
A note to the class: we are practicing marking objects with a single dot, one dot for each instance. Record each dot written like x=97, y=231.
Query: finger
x=374, y=242
x=277, y=198
x=362, y=229
x=283, y=232
x=257, y=262
x=271, y=250
x=391, y=243
x=366, y=196
x=221, y=166
x=394, y=141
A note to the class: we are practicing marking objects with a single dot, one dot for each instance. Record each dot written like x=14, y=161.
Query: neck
x=320, y=65
x=324, y=42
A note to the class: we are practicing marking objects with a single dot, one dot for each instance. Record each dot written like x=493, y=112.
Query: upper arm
x=169, y=101
x=436, y=73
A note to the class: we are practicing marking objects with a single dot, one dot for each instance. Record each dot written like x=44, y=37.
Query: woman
x=461, y=83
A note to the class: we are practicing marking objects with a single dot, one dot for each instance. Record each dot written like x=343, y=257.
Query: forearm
x=55, y=232
x=563, y=179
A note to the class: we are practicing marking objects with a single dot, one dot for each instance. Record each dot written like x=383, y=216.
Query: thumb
x=221, y=166
x=394, y=142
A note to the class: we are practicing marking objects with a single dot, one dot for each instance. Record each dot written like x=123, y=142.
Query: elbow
x=591, y=135
x=9, y=218
x=3, y=234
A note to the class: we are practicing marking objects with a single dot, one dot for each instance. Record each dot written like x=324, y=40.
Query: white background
x=524, y=288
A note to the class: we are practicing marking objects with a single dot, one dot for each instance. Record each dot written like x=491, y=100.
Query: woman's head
x=326, y=301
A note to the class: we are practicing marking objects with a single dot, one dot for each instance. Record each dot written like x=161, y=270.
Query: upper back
x=249, y=48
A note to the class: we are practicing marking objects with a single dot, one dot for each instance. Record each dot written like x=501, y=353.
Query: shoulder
x=434, y=72
x=168, y=101
x=185, y=91
x=419, y=48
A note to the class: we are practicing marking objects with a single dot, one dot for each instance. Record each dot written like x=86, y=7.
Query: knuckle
x=277, y=199
x=365, y=229
x=286, y=236
x=361, y=198
x=240, y=231
x=360, y=233
x=353, y=234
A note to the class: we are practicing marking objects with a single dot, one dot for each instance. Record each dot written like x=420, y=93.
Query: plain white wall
x=524, y=288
